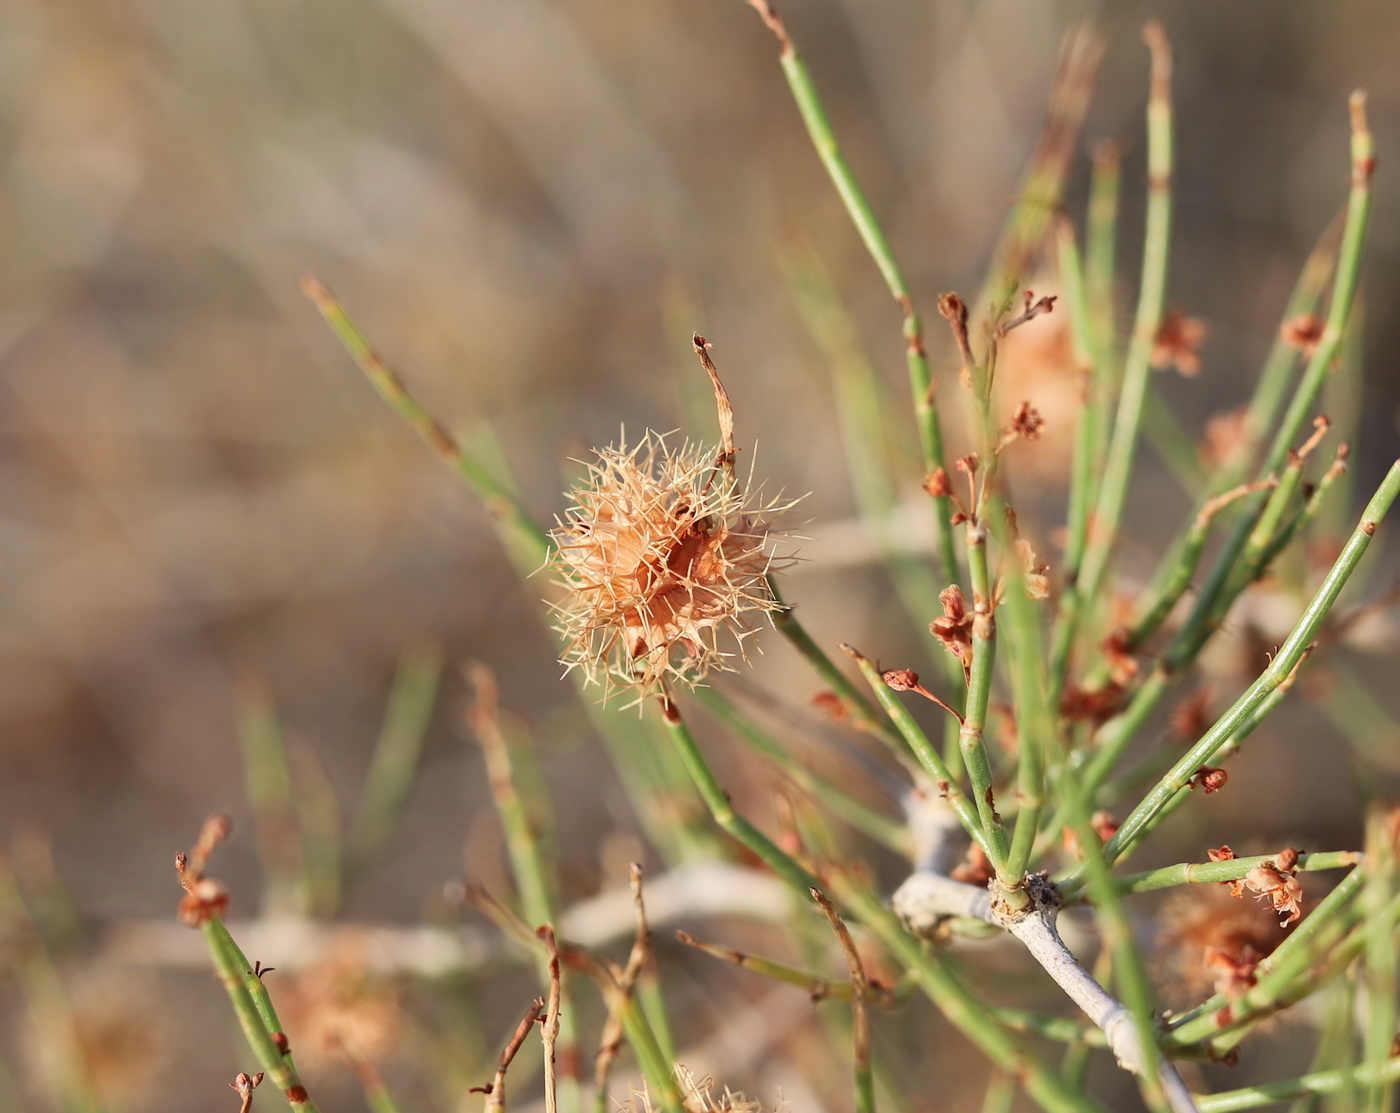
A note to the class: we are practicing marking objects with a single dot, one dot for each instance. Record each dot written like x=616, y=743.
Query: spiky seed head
x=663, y=558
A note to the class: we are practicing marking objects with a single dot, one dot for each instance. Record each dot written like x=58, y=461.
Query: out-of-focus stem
x=1122, y=449
x=525, y=541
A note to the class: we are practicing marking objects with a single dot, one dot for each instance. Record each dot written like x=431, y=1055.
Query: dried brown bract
x=1303, y=332
x=954, y=628
x=204, y=897
x=1037, y=577
x=1178, y=343
x=1280, y=887
x=664, y=557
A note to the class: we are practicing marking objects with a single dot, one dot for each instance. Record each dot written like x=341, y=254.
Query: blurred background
x=528, y=205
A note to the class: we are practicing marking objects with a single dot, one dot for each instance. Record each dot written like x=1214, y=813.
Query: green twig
x=717, y=800
x=875, y=824
x=395, y=761
x=525, y=541
x=1288, y=656
x=823, y=136
x=1122, y=448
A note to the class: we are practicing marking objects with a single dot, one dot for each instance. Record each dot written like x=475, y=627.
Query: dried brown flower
x=1210, y=942
x=662, y=551
x=1280, y=887
x=954, y=628
x=1178, y=343
x=1037, y=576
x=1303, y=332
x=1025, y=424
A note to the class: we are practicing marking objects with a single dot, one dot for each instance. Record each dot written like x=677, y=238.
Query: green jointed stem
x=256, y=1016
x=1288, y=655
x=717, y=800
x=1324, y=1082
x=1088, y=433
x=1214, y=599
x=1038, y=743
x=1122, y=449
x=924, y=750
x=1213, y=873
x=971, y=740
x=1379, y=908
x=820, y=131
x=526, y=542
x=880, y=827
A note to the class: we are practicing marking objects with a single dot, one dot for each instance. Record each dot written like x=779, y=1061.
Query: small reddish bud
x=1104, y=825
x=1286, y=858
x=1178, y=343
x=1221, y=853
x=1209, y=778
x=937, y=485
x=830, y=705
x=1303, y=332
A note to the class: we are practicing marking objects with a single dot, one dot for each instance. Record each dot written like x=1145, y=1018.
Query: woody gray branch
x=929, y=896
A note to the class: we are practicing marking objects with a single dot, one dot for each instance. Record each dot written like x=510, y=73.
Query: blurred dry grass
x=528, y=204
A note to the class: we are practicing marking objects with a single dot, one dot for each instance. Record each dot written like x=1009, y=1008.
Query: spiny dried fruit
x=663, y=557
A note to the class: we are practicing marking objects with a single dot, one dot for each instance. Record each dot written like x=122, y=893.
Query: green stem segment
x=528, y=545
x=1282, y=665
x=1122, y=449
x=823, y=136
x=717, y=800
x=256, y=1016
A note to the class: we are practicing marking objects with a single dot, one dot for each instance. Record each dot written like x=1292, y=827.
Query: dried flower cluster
x=664, y=557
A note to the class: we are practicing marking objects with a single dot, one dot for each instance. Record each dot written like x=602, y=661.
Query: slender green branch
x=1282, y=665
x=1323, y=1082
x=979, y=689
x=527, y=543
x=1122, y=449
x=256, y=1016
x=823, y=136
x=929, y=757
x=1232, y=869
x=717, y=800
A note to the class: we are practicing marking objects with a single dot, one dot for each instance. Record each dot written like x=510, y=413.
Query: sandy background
x=528, y=204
